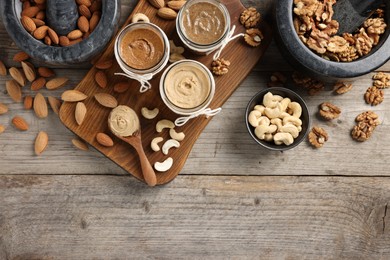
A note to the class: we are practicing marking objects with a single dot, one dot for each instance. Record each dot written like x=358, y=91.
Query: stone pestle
x=62, y=15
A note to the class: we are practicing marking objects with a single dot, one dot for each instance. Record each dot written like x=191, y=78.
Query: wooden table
x=233, y=199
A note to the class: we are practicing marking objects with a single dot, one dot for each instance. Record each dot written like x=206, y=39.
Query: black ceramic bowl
x=257, y=99
x=78, y=53
x=305, y=60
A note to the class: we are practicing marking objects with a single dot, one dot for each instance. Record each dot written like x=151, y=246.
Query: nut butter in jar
x=142, y=50
x=202, y=25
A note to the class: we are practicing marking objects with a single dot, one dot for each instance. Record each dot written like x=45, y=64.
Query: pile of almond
x=169, y=10
x=33, y=20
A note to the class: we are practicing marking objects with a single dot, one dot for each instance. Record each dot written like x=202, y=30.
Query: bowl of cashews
x=277, y=118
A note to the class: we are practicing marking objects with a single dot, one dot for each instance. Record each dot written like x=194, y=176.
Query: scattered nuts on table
x=366, y=123
x=253, y=37
x=154, y=144
x=277, y=80
x=250, y=17
x=140, y=17
x=329, y=111
x=317, y=137
x=381, y=80
x=374, y=96
x=149, y=114
x=164, y=166
x=313, y=86
x=164, y=123
x=169, y=144
x=175, y=135
x=342, y=87
x=220, y=66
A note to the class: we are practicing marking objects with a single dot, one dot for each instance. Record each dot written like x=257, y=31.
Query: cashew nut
x=169, y=144
x=292, y=120
x=261, y=130
x=285, y=102
x=291, y=129
x=259, y=108
x=176, y=57
x=277, y=122
x=270, y=100
x=164, y=124
x=175, y=49
x=268, y=137
x=175, y=135
x=254, y=118
x=154, y=144
x=296, y=109
x=149, y=114
x=164, y=166
x=283, y=138
x=140, y=17
x=273, y=112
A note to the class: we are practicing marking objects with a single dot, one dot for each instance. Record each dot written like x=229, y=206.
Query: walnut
x=374, y=96
x=250, y=17
x=363, y=43
x=253, y=37
x=337, y=44
x=375, y=25
x=312, y=85
x=366, y=123
x=305, y=7
x=277, y=80
x=342, y=87
x=318, y=41
x=220, y=66
x=318, y=136
x=381, y=80
x=349, y=55
x=329, y=111
x=379, y=13
x=331, y=28
x=349, y=38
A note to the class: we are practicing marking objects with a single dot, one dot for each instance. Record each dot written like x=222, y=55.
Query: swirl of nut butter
x=123, y=121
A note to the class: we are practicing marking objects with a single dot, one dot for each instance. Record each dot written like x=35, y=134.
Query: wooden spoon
x=124, y=123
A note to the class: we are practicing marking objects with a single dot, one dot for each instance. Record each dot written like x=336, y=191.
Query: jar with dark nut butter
x=202, y=25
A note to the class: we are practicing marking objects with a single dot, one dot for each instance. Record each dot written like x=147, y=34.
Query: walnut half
x=366, y=123
x=329, y=111
x=374, y=96
x=318, y=136
x=250, y=17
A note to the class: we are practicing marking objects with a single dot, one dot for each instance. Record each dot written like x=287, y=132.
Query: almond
x=56, y=83
x=40, y=32
x=101, y=79
x=47, y=40
x=73, y=96
x=3, y=109
x=167, y=13
x=40, y=2
x=41, y=142
x=40, y=106
x=84, y=11
x=3, y=69
x=28, y=102
x=80, y=112
x=41, y=15
x=64, y=41
x=87, y=3
x=38, y=22
x=54, y=103
x=17, y=75
x=104, y=64
x=28, y=24
x=93, y=22
x=14, y=90
x=38, y=83
x=20, y=123
x=75, y=41
x=53, y=36
x=20, y=56
x=79, y=144
x=83, y=24
x=96, y=6
x=75, y=34
x=2, y=129
x=157, y=3
x=26, y=4
x=104, y=140
x=29, y=71
x=176, y=5
x=31, y=11
x=46, y=72
x=121, y=87
x=106, y=100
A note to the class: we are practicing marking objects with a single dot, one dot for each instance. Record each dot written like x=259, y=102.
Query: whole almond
x=28, y=24
x=17, y=75
x=64, y=41
x=28, y=102
x=104, y=64
x=41, y=142
x=75, y=41
x=40, y=106
x=29, y=71
x=54, y=103
x=104, y=140
x=46, y=72
x=14, y=90
x=40, y=32
x=38, y=22
x=53, y=36
x=121, y=87
x=26, y=4
x=56, y=83
x=96, y=6
x=80, y=112
x=3, y=109
x=176, y=5
x=101, y=79
x=20, y=123
x=20, y=56
x=167, y=13
x=93, y=22
x=38, y=83
x=83, y=24
x=2, y=129
x=41, y=15
x=3, y=69
x=47, y=40
x=73, y=96
x=79, y=144
x=31, y=11
x=106, y=100
x=157, y=3
x=87, y=3
x=84, y=11
x=75, y=34
x=86, y=35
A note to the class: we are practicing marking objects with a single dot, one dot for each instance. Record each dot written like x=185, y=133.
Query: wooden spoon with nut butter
x=124, y=123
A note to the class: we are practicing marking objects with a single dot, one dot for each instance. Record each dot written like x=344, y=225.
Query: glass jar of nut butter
x=202, y=25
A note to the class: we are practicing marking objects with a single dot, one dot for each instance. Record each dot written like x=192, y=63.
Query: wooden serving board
x=242, y=57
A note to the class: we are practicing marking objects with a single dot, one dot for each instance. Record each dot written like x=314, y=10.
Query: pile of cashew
x=277, y=119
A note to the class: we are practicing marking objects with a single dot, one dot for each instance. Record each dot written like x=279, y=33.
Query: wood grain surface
x=232, y=199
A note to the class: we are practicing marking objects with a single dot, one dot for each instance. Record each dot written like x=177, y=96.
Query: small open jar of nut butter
x=202, y=25
x=142, y=51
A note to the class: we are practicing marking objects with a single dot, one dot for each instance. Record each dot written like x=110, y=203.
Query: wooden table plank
x=89, y=217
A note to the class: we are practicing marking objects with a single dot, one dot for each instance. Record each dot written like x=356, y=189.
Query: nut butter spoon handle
x=147, y=170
